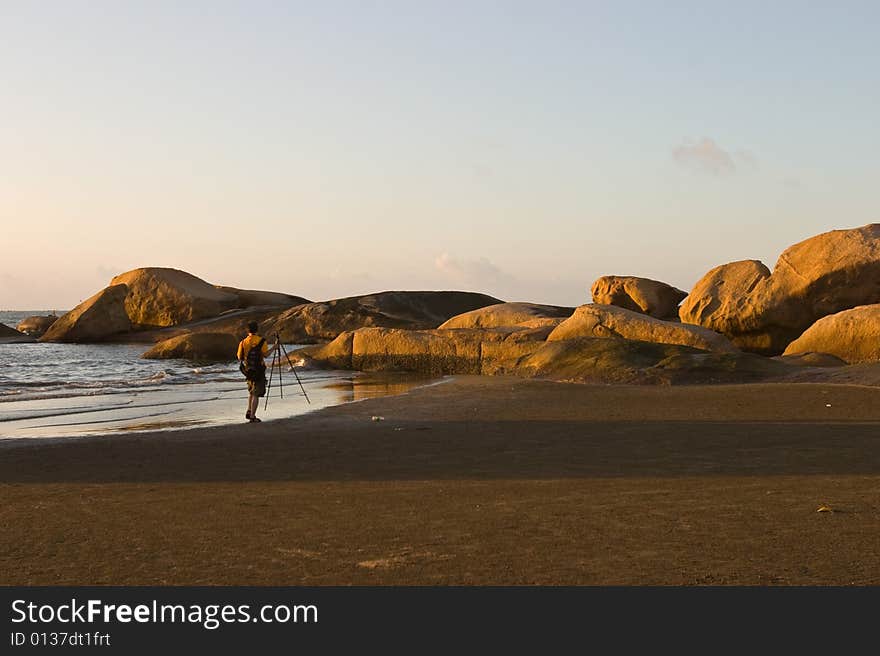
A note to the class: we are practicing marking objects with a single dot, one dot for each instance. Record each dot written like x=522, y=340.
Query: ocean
x=64, y=390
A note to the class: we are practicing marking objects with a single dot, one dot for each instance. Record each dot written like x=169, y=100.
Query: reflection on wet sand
x=161, y=425
x=372, y=385
x=187, y=406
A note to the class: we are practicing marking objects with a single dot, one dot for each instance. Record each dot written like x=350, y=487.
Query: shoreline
x=478, y=481
x=221, y=431
x=217, y=404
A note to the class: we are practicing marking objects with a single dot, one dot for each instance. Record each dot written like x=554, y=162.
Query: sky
x=520, y=149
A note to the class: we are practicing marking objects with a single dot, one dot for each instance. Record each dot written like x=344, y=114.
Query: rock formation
x=234, y=323
x=721, y=296
x=639, y=295
x=36, y=326
x=247, y=298
x=10, y=335
x=154, y=298
x=506, y=314
x=168, y=297
x=394, y=349
x=764, y=312
x=852, y=335
x=624, y=361
x=811, y=359
x=94, y=319
x=515, y=352
x=214, y=347
x=317, y=322
x=611, y=321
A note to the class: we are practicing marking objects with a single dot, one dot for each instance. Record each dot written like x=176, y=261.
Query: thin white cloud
x=745, y=160
x=337, y=273
x=479, y=272
x=104, y=272
x=706, y=156
x=482, y=275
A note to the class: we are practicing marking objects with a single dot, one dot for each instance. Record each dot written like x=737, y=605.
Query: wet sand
x=476, y=481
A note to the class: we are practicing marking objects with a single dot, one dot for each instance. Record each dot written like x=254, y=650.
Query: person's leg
x=253, y=402
x=258, y=391
x=251, y=393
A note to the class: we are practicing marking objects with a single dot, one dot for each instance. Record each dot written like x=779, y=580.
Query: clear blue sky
x=516, y=148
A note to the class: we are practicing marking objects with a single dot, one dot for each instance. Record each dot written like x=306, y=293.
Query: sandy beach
x=476, y=481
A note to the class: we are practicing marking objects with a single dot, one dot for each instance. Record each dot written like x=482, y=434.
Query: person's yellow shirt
x=245, y=345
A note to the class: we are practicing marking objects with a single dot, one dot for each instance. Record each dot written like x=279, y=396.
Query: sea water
x=61, y=390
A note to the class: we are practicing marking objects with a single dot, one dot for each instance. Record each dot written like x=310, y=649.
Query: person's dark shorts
x=258, y=386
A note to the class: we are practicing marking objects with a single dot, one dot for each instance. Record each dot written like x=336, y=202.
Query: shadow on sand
x=309, y=450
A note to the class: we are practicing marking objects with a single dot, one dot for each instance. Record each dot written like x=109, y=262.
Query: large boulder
x=625, y=361
x=764, y=312
x=852, y=335
x=517, y=352
x=506, y=314
x=722, y=296
x=160, y=303
x=393, y=349
x=9, y=335
x=611, y=321
x=36, y=326
x=811, y=359
x=234, y=322
x=320, y=322
x=255, y=298
x=864, y=374
x=168, y=297
x=639, y=295
x=93, y=320
x=212, y=347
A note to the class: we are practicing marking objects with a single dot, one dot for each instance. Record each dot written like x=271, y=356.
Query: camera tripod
x=276, y=358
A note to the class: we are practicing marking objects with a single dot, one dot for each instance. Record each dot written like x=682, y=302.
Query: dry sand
x=475, y=481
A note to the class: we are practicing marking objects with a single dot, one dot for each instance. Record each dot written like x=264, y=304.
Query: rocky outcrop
x=506, y=314
x=764, y=312
x=620, y=361
x=209, y=347
x=724, y=294
x=611, y=321
x=643, y=295
x=36, y=326
x=168, y=297
x=866, y=373
x=153, y=299
x=515, y=352
x=234, y=323
x=852, y=335
x=392, y=349
x=247, y=298
x=10, y=335
x=318, y=322
x=93, y=320
x=811, y=359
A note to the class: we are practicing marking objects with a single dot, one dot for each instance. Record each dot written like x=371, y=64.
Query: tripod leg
x=269, y=386
x=278, y=356
x=296, y=375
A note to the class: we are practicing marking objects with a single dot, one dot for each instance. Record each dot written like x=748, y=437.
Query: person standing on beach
x=256, y=380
